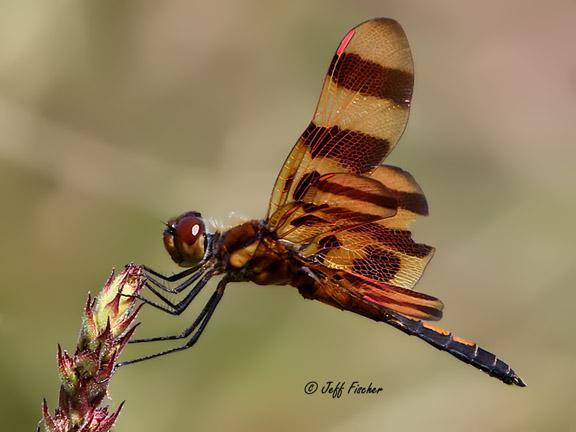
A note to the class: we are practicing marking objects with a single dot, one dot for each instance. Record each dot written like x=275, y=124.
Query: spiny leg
x=174, y=277
x=197, y=274
x=193, y=275
x=178, y=289
x=181, y=306
x=201, y=322
x=157, y=294
x=184, y=334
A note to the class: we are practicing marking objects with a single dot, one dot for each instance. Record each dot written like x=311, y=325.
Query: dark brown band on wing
x=308, y=219
x=329, y=242
x=355, y=151
x=357, y=74
x=378, y=264
x=305, y=182
x=397, y=239
x=333, y=215
x=401, y=240
x=415, y=202
x=310, y=208
x=357, y=194
x=347, y=217
x=288, y=183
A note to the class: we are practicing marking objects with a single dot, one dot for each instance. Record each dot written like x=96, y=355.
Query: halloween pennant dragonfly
x=338, y=221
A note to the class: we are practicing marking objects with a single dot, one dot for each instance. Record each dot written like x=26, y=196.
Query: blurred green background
x=117, y=115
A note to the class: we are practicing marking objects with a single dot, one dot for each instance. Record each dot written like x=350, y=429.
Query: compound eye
x=189, y=229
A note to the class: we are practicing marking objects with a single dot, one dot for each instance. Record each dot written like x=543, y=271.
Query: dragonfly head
x=185, y=239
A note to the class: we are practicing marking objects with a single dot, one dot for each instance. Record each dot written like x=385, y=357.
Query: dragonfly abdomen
x=463, y=349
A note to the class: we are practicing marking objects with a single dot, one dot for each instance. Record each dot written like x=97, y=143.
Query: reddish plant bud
x=107, y=325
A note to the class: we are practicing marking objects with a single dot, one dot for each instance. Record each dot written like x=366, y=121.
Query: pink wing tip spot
x=345, y=42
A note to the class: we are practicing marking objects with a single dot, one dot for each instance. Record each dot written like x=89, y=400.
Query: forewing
x=361, y=114
x=334, y=200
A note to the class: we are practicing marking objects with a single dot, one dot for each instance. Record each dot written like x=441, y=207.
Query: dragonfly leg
x=188, y=331
x=190, y=275
x=181, y=306
x=174, y=277
x=196, y=329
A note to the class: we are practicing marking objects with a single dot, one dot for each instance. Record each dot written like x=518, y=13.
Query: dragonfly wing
x=362, y=111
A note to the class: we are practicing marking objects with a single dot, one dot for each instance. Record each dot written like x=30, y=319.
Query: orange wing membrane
x=361, y=114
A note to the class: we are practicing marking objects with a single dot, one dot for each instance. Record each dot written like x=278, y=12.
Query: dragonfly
x=337, y=225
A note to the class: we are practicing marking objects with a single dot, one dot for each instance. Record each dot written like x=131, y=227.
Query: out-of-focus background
x=115, y=116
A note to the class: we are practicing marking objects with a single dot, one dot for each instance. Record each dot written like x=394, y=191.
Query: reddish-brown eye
x=184, y=239
x=189, y=229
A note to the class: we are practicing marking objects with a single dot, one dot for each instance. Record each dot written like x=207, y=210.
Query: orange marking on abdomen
x=345, y=42
x=436, y=329
x=464, y=341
